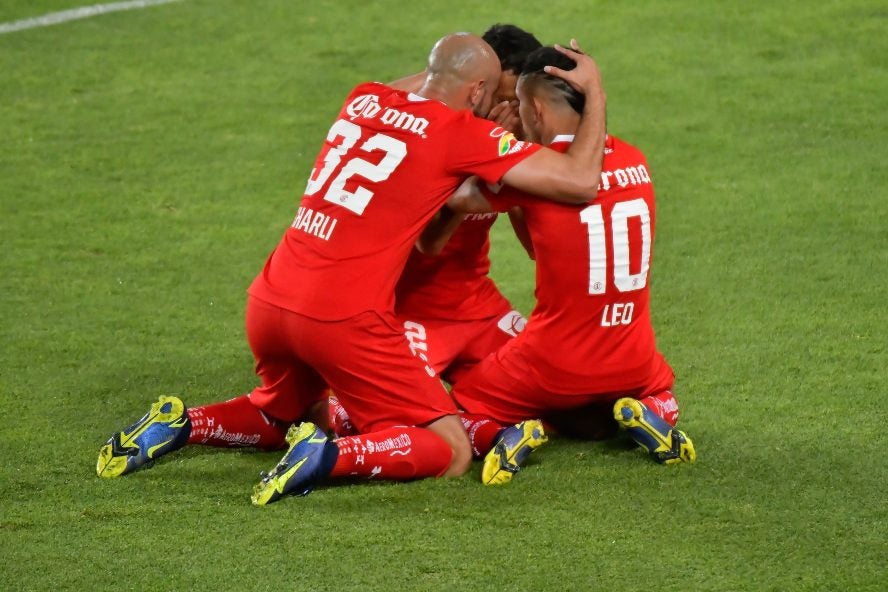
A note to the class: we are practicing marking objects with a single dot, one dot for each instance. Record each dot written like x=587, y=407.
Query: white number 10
x=623, y=280
x=357, y=200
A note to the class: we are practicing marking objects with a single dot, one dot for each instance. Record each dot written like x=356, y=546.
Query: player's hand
x=586, y=77
x=468, y=199
x=505, y=115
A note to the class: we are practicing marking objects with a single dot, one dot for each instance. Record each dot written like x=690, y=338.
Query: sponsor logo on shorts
x=512, y=323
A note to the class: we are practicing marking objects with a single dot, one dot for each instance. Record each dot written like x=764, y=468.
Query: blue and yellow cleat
x=163, y=429
x=309, y=460
x=511, y=450
x=666, y=444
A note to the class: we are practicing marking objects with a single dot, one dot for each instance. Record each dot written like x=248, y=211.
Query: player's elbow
x=431, y=248
x=580, y=190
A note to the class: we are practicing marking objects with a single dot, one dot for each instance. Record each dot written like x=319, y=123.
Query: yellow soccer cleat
x=511, y=450
x=666, y=444
x=308, y=461
x=164, y=428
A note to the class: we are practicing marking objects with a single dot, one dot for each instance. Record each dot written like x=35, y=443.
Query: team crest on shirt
x=506, y=142
x=509, y=144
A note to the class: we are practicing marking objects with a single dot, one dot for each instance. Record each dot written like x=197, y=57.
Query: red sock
x=664, y=405
x=396, y=454
x=340, y=422
x=235, y=423
x=482, y=431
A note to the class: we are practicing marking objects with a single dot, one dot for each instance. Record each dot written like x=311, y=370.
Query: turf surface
x=151, y=159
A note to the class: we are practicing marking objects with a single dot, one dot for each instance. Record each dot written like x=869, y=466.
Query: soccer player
x=589, y=341
x=452, y=312
x=512, y=45
x=320, y=314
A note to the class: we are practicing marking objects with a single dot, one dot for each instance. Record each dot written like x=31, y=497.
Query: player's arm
x=410, y=83
x=519, y=225
x=471, y=198
x=438, y=231
x=467, y=199
x=571, y=177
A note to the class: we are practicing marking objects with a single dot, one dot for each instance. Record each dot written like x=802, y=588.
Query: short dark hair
x=512, y=45
x=549, y=56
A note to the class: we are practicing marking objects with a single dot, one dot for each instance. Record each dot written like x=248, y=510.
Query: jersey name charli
x=315, y=223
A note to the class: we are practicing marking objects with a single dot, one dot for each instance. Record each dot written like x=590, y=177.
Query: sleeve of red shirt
x=479, y=147
x=501, y=197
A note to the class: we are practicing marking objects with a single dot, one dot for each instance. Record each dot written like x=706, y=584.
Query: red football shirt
x=591, y=324
x=454, y=284
x=390, y=161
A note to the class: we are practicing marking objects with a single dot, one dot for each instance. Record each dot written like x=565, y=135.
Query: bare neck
x=560, y=122
x=443, y=89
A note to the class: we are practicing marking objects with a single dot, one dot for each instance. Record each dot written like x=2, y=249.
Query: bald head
x=463, y=56
x=463, y=72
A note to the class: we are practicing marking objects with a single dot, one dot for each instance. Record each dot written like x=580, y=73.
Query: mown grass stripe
x=64, y=16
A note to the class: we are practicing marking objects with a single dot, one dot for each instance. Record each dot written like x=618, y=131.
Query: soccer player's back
x=591, y=323
x=359, y=218
x=589, y=343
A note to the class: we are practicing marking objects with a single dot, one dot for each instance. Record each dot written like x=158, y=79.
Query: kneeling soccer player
x=589, y=343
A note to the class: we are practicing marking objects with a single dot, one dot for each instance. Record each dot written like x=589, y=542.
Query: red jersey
x=591, y=323
x=390, y=161
x=454, y=284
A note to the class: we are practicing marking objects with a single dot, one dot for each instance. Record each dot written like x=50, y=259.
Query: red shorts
x=452, y=348
x=364, y=359
x=504, y=387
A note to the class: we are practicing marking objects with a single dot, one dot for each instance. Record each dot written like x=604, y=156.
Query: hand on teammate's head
x=585, y=77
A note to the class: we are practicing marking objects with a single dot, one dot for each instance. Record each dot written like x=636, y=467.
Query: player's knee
x=450, y=429
x=461, y=461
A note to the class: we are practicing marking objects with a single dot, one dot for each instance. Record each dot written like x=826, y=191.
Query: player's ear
x=538, y=108
x=476, y=94
x=531, y=118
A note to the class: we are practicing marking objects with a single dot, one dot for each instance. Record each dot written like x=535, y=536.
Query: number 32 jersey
x=390, y=161
x=591, y=328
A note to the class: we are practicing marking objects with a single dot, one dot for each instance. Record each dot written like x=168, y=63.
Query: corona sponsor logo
x=625, y=177
x=367, y=107
x=363, y=106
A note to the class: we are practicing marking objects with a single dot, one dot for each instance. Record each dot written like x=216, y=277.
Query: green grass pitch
x=151, y=159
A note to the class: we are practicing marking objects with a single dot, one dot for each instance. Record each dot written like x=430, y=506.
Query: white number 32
x=357, y=200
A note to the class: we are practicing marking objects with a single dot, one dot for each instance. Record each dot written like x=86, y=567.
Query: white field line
x=57, y=18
